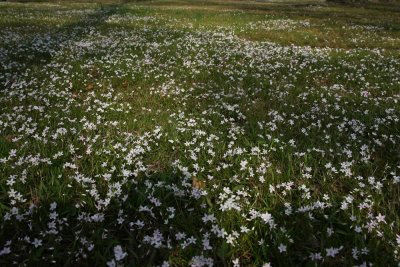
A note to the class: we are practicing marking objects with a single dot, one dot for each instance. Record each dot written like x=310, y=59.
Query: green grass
x=278, y=120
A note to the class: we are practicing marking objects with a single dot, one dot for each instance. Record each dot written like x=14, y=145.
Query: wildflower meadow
x=199, y=133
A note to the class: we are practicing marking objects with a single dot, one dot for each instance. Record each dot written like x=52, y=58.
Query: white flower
x=332, y=252
x=5, y=250
x=266, y=217
x=111, y=263
x=315, y=256
x=282, y=248
x=200, y=261
x=119, y=254
x=37, y=242
x=380, y=218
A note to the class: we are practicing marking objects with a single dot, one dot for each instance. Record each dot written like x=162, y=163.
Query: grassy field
x=199, y=133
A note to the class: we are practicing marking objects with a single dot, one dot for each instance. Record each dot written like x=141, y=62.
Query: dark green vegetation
x=199, y=133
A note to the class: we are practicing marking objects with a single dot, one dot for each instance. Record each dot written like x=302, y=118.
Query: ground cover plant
x=199, y=133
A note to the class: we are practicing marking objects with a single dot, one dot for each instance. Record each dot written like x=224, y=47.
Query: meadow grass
x=200, y=133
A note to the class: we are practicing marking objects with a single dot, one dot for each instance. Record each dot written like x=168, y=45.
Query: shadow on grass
x=38, y=51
